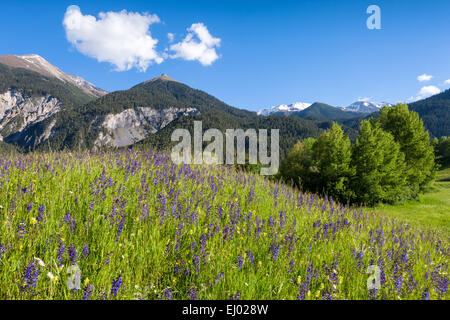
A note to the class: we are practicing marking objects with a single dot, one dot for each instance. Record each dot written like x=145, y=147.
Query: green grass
x=430, y=212
x=182, y=232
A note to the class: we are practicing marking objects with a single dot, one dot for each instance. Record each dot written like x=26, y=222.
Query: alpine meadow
x=152, y=189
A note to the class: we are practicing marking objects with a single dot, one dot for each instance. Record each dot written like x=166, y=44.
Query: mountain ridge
x=147, y=113
x=36, y=63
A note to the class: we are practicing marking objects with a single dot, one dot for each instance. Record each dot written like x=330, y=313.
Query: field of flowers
x=131, y=225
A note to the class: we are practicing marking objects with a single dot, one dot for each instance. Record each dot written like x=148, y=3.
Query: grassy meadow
x=430, y=211
x=131, y=225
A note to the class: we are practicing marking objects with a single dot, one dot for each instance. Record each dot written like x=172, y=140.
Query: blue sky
x=271, y=52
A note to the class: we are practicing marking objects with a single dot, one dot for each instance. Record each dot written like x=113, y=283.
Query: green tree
x=442, y=151
x=297, y=167
x=332, y=156
x=379, y=164
x=408, y=130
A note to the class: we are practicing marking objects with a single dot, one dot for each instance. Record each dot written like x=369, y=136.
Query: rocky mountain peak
x=162, y=77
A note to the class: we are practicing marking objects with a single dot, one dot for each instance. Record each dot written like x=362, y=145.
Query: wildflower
x=426, y=294
x=275, y=250
x=168, y=294
x=196, y=261
x=116, y=284
x=40, y=262
x=291, y=265
x=41, y=214
x=250, y=256
x=52, y=277
x=192, y=294
x=87, y=291
x=219, y=276
x=73, y=255
x=240, y=261
x=59, y=255
x=2, y=250
x=85, y=251
x=30, y=277
x=237, y=296
x=21, y=230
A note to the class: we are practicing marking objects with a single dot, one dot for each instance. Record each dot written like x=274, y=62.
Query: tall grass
x=139, y=227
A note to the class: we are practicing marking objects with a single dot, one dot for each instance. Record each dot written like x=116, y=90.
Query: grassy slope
x=175, y=232
x=432, y=210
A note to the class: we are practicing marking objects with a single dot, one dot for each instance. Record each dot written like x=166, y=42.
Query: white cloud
x=424, y=77
x=198, y=45
x=447, y=81
x=427, y=91
x=170, y=36
x=120, y=38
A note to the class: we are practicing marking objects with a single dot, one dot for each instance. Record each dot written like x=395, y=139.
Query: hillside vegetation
x=392, y=160
x=430, y=211
x=34, y=84
x=131, y=225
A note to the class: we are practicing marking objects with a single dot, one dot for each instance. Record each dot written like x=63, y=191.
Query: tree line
x=391, y=160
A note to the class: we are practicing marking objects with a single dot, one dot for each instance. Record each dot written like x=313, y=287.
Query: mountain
x=366, y=106
x=323, y=111
x=284, y=109
x=435, y=113
x=36, y=63
x=28, y=97
x=315, y=111
x=147, y=114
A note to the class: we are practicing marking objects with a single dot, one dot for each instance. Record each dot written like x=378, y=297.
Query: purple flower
x=21, y=230
x=2, y=250
x=120, y=228
x=73, y=255
x=196, y=261
x=426, y=294
x=398, y=278
x=192, y=294
x=250, y=256
x=167, y=294
x=116, y=284
x=41, y=214
x=442, y=286
x=87, y=291
x=30, y=277
x=275, y=250
x=85, y=250
x=70, y=221
x=219, y=276
x=240, y=261
x=237, y=296
x=291, y=265
x=59, y=255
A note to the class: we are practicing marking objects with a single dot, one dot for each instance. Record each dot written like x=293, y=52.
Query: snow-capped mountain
x=365, y=106
x=87, y=85
x=284, y=108
x=36, y=63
